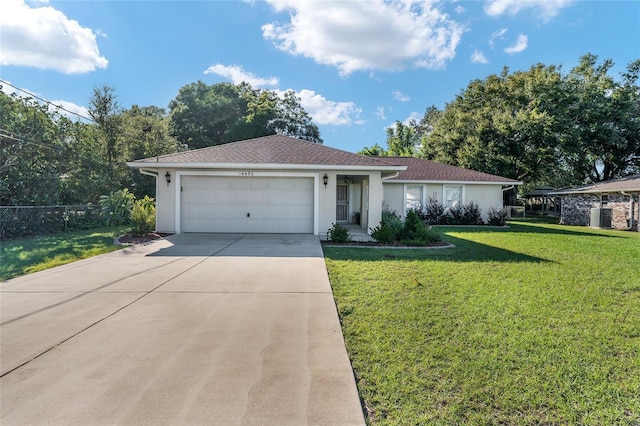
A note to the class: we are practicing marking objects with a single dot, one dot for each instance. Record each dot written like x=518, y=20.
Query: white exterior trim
x=239, y=173
x=262, y=166
x=448, y=182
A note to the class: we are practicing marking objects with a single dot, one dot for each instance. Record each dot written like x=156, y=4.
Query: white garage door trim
x=244, y=173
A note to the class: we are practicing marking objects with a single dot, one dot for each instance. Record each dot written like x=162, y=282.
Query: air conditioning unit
x=600, y=218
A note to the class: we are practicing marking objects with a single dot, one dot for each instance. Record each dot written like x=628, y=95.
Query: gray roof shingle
x=274, y=149
x=419, y=169
x=285, y=150
x=627, y=184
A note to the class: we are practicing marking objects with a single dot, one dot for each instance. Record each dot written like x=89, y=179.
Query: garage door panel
x=221, y=204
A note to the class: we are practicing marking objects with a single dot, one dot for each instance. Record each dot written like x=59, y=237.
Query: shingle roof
x=419, y=169
x=627, y=184
x=274, y=149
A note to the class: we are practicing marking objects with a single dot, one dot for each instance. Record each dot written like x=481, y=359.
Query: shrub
x=116, y=207
x=455, y=216
x=143, y=215
x=497, y=216
x=338, y=233
x=393, y=221
x=412, y=231
x=412, y=224
x=383, y=234
x=434, y=213
x=422, y=238
x=416, y=232
x=471, y=214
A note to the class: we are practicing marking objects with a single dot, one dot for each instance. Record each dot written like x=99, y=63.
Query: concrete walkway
x=195, y=329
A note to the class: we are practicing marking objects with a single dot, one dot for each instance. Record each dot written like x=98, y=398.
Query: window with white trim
x=452, y=196
x=413, y=198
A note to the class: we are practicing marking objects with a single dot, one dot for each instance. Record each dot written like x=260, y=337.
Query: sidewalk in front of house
x=197, y=329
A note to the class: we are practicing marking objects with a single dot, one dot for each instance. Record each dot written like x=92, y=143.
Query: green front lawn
x=534, y=324
x=27, y=255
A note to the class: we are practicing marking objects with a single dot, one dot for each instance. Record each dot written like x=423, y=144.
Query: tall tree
x=605, y=120
x=401, y=140
x=291, y=119
x=373, y=151
x=203, y=115
x=145, y=132
x=542, y=126
x=105, y=112
x=32, y=146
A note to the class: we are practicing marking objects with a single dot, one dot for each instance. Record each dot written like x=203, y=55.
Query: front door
x=342, y=202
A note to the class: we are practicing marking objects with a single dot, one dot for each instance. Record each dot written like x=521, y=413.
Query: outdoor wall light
x=325, y=179
x=167, y=176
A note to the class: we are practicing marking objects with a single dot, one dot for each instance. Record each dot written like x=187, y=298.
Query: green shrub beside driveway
x=533, y=324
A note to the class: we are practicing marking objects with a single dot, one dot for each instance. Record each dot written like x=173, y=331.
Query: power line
x=46, y=101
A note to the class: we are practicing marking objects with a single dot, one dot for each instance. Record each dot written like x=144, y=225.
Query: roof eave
x=454, y=182
x=595, y=191
x=261, y=166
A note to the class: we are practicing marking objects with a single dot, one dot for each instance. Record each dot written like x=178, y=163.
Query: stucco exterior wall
x=433, y=191
x=486, y=196
x=326, y=202
x=393, y=196
x=165, y=202
x=375, y=200
x=576, y=209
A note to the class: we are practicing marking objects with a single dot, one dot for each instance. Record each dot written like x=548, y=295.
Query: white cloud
x=460, y=9
x=366, y=35
x=544, y=9
x=498, y=34
x=380, y=113
x=399, y=96
x=69, y=106
x=520, y=45
x=44, y=37
x=415, y=116
x=325, y=111
x=238, y=75
x=478, y=57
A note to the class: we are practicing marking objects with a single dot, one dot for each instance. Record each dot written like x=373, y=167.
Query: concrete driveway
x=194, y=329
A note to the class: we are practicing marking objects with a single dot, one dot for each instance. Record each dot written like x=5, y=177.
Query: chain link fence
x=21, y=221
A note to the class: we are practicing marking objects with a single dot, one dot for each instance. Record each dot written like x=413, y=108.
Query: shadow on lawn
x=523, y=227
x=464, y=251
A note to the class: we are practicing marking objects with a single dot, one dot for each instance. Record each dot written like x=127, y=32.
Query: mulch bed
x=129, y=238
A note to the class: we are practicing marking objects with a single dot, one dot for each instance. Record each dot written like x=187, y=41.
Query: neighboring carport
x=196, y=329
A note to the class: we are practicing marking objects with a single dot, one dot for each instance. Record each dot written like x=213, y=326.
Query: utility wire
x=46, y=101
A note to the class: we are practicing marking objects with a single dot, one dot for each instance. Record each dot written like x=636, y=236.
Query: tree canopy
x=541, y=125
x=205, y=115
x=47, y=159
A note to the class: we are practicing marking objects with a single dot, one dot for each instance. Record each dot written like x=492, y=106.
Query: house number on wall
x=245, y=173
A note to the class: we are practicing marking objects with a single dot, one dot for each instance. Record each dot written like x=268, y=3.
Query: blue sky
x=356, y=65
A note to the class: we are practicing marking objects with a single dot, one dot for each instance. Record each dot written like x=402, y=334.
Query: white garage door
x=247, y=204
